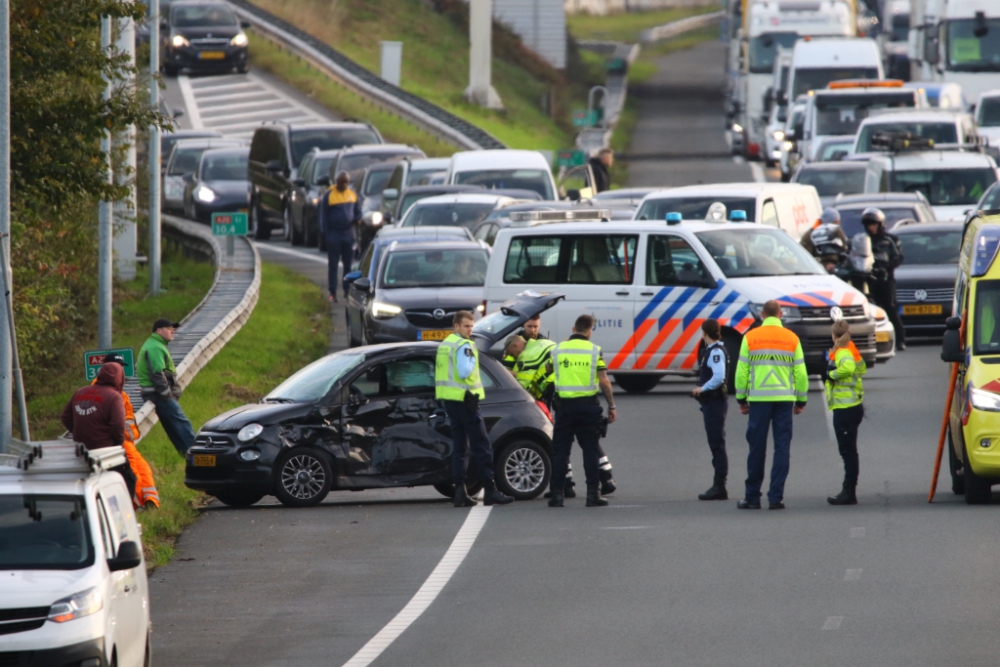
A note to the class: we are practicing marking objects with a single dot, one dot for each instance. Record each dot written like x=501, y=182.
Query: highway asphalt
x=658, y=578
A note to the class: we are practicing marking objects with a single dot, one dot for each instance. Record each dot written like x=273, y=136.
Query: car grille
x=822, y=313
x=209, y=43
x=213, y=441
x=883, y=348
x=942, y=295
x=425, y=319
x=19, y=620
x=15, y=658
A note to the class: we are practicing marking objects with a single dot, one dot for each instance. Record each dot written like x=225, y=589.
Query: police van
x=73, y=587
x=650, y=285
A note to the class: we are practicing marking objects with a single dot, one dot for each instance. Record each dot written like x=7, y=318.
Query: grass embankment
x=435, y=64
x=626, y=26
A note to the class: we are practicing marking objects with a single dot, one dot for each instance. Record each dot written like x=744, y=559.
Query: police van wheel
x=303, y=477
x=637, y=383
x=447, y=489
x=955, y=466
x=239, y=498
x=523, y=470
x=977, y=489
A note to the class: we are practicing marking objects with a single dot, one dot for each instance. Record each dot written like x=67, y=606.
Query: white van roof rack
x=523, y=218
x=58, y=456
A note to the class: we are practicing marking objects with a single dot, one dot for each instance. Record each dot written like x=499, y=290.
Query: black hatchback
x=367, y=418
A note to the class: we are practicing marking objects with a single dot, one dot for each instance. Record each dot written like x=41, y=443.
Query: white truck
x=817, y=62
x=956, y=41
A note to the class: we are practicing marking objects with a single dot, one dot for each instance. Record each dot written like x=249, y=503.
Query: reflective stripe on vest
x=772, y=355
x=848, y=391
x=531, y=359
x=575, y=363
x=447, y=384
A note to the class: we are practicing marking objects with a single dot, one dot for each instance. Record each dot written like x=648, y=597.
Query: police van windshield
x=945, y=187
x=44, y=532
x=764, y=48
x=695, y=207
x=747, y=252
x=809, y=78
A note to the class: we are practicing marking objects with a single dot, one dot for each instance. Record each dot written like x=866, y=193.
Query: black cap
x=163, y=323
x=114, y=358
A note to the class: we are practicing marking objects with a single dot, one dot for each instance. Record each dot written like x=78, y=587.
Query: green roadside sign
x=571, y=158
x=584, y=118
x=94, y=359
x=229, y=224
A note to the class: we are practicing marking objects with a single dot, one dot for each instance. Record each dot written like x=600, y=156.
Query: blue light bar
x=674, y=218
x=738, y=216
x=985, y=251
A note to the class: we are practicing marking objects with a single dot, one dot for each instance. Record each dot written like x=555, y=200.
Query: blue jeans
x=175, y=423
x=762, y=415
x=339, y=248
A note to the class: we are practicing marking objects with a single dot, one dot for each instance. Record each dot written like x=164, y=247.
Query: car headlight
x=179, y=41
x=204, y=194
x=984, y=400
x=737, y=128
x=778, y=135
x=788, y=313
x=314, y=201
x=787, y=146
x=376, y=218
x=481, y=308
x=79, y=605
x=249, y=432
x=879, y=313
x=383, y=311
x=239, y=40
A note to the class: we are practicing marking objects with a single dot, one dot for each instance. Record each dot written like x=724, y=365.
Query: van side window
x=602, y=259
x=987, y=327
x=671, y=261
x=533, y=259
x=769, y=214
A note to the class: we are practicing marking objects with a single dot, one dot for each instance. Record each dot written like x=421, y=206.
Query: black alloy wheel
x=239, y=498
x=523, y=470
x=259, y=229
x=303, y=477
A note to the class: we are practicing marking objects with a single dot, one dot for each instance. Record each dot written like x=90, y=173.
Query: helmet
x=830, y=216
x=872, y=215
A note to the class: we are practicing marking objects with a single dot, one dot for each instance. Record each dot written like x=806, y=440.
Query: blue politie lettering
x=598, y=324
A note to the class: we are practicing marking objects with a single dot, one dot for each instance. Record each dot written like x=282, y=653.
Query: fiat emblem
x=438, y=313
x=836, y=313
x=920, y=295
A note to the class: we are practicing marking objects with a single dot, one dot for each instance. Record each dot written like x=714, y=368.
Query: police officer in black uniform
x=711, y=393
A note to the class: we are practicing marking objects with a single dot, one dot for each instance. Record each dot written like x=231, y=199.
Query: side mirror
x=299, y=182
x=363, y=284
x=188, y=177
x=129, y=556
x=931, y=45
x=324, y=181
x=352, y=276
x=951, y=345
x=245, y=24
x=356, y=400
x=274, y=166
x=390, y=193
x=573, y=195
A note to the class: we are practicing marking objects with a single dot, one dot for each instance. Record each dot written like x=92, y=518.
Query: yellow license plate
x=881, y=336
x=434, y=334
x=212, y=55
x=204, y=460
x=923, y=309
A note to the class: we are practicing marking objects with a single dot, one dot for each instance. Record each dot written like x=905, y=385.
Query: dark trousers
x=468, y=434
x=175, y=422
x=125, y=470
x=581, y=420
x=883, y=293
x=845, y=424
x=762, y=415
x=339, y=248
x=714, y=412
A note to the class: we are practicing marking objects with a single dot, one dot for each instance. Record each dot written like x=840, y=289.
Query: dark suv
x=275, y=153
x=203, y=36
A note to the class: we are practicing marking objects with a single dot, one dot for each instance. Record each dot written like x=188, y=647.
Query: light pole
x=105, y=222
x=154, y=150
x=6, y=356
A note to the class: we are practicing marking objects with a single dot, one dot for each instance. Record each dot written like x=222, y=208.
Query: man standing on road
x=771, y=385
x=888, y=254
x=158, y=384
x=714, y=404
x=339, y=212
x=459, y=387
x=601, y=165
x=579, y=370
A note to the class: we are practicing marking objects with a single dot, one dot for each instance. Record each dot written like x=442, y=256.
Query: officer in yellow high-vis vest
x=844, y=395
x=578, y=371
x=458, y=386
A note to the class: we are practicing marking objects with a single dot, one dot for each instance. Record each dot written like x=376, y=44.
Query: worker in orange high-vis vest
x=146, y=494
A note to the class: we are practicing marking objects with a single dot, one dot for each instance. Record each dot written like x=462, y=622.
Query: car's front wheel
x=239, y=498
x=637, y=383
x=955, y=467
x=523, y=470
x=303, y=477
x=978, y=489
x=259, y=229
x=287, y=228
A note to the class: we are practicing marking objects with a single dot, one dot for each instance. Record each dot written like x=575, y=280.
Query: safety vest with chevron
x=771, y=366
x=844, y=388
x=448, y=386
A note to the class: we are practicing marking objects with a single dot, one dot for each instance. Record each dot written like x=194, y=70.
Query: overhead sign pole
x=154, y=150
x=480, y=90
x=6, y=365
x=105, y=221
x=125, y=240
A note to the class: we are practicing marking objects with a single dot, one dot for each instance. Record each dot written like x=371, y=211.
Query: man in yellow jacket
x=771, y=385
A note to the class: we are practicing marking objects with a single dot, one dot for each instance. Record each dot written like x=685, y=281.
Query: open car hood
x=512, y=315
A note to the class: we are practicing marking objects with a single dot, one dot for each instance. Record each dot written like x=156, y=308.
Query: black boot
x=555, y=499
x=462, y=498
x=608, y=485
x=594, y=498
x=717, y=491
x=845, y=497
x=569, y=490
x=491, y=496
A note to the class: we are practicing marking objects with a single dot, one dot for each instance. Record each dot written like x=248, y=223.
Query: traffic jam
x=496, y=306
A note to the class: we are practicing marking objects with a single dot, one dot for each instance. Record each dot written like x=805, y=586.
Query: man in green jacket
x=158, y=384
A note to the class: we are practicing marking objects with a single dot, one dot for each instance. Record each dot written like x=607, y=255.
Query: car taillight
x=483, y=311
x=545, y=410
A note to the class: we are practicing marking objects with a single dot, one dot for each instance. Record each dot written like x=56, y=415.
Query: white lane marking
x=833, y=622
x=237, y=99
x=259, y=114
x=757, y=171
x=192, y=106
x=295, y=253
x=626, y=527
x=858, y=532
x=853, y=574
x=435, y=583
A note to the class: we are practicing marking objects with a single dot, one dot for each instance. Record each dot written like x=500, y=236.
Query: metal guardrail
x=417, y=110
x=675, y=28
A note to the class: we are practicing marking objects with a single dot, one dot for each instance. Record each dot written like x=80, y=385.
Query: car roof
x=833, y=166
x=192, y=134
x=387, y=235
x=466, y=198
x=443, y=189
x=449, y=244
x=990, y=93
x=915, y=116
x=505, y=158
x=626, y=193
x=940, y=226
x=294, y=127
x=691, y=226
x=439, y=163
x=228, y=150
x=378, y=148
x=727, y=189
x=209, y=142
x=932, y=160
x=868, y=199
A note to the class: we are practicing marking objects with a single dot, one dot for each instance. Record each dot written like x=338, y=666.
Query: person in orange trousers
x=145, y=488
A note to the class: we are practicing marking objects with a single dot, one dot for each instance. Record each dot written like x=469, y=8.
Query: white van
x=792, y=207
x=510, y=169
x=817, y=62
x=73, y=587
x=650, y=285
x=944, y=128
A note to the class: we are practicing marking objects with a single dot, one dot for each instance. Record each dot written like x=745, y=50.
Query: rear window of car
x=305, y=140
x=832, y=182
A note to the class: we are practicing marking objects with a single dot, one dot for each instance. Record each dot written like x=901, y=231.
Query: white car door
x=130, y=585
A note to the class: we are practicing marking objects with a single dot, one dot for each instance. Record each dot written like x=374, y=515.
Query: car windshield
x=416, y=175
x=538, y=180
x=968, y=53
x=447, y=215
x=931, y=247
x=44, y=532
x=747, y=252
x=464, y=267
x=832, y=182
x=197, y=16
x=313, y=382
x=842, y=114
x=988, y=114
x=185, y=160
x=695, y=208
x=375, y=182
x=987, y=322
x=941, y=133
x=806, y=79
x=224, y=167
x=355, y=162
x=944, y=187
x=764, y=48
x=835, y=150
x=850, y=218
x=305, y=140
x=991, y=201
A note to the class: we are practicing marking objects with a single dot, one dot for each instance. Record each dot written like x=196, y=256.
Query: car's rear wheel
x=287, y=228
x=259, y=229
x=447, y=489
x=169, y=70
x=523, y=470
x=147, y=658
x=303, y=477
x=955, y=466
x=978, y=489
x=637, y=383
x=239, y=498
x=308, y=234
